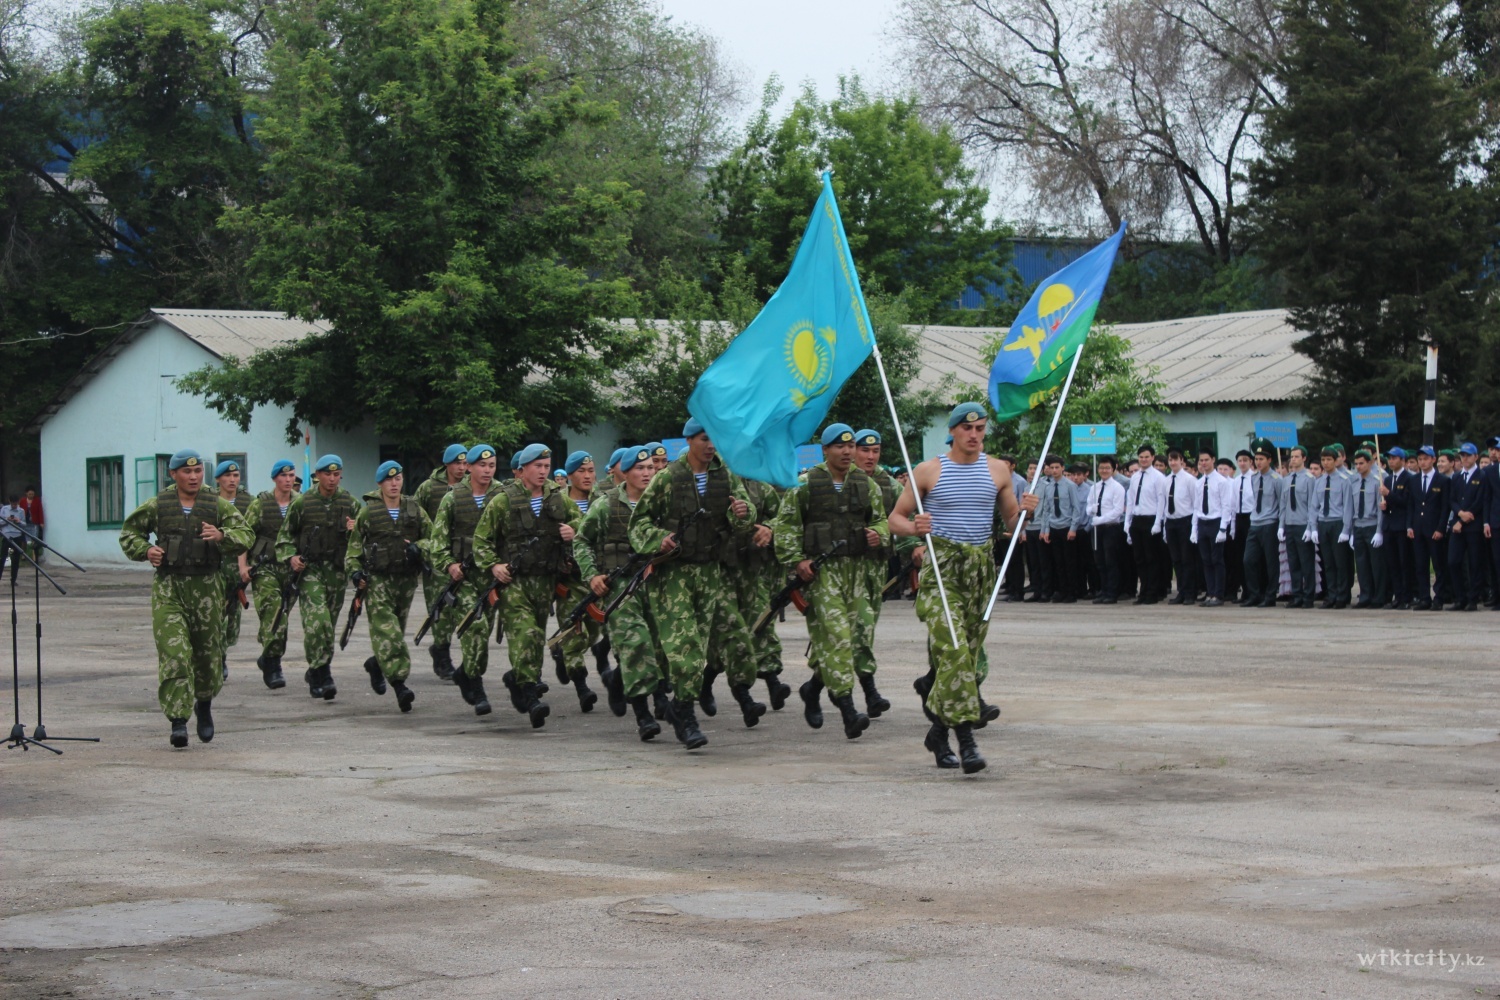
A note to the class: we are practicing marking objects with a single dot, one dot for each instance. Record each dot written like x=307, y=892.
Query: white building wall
x=132, y=409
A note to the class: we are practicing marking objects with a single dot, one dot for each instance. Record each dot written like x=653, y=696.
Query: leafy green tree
x=914, y=215
x=1365, y=203
x=410, y=201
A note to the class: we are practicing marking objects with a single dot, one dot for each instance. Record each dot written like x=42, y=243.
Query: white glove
x=1156, y=528
x=1222, y=535
x=1193, y=535
x=1378, y=540
x=1310, y=535
x=1344, y=537
x=1281, y=534
x=1351, y=541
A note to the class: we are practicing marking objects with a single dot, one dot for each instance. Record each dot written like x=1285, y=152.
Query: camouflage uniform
x=602, y=545
x=429, y=495
x=187, y=591
x=878, y=568
x=452, y=541
x=697, y=611
x=841, y=619
x=754, y=576
x=231, y=572
x=322, y=588
x=268, y=575
x=968, y=575
x=577, y=644
x=510, y=532
x=377, y=546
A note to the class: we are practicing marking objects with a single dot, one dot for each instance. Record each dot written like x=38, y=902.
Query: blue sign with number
x=1374, y=419
x=1093, y=439
x=1279, y=433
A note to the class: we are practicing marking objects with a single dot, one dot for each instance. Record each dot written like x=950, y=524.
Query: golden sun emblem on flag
x=809, y=359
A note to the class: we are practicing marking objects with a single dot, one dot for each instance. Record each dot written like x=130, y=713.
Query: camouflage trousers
x=754, y=587
x=475, y=643
x=187, y=621
x=528, y=607
x=266, y=586
x=231, y=574
x=698, y=616
x=433, y=584
x=633, y=636
x=577, y=644
x=876, y=573
x=840, y=622
x=968, y=575
x=387, y=603
x=321, y=601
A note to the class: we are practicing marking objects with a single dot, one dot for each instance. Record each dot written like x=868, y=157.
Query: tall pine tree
x=1366, y=203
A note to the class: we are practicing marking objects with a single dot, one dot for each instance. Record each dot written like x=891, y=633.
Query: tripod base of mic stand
x=18, y=738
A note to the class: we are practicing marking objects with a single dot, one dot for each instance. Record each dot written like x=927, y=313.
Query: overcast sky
x=795, y=39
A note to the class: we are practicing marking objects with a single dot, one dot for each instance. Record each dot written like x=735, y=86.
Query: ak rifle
x=791, y=591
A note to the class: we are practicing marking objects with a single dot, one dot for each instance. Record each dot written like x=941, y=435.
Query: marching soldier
x=752, y=572
x=312, y=542
x=193, y=530
x=227, y=476
x=384, y=559
x=568, y=655
x=267, y=574
x=429, y=495
x=836, y=502
x=616, y=477
x=897, y=551
x=601, y=547
x=452, y=547
x=698, y=613
x=658, y=454
x=961, y=490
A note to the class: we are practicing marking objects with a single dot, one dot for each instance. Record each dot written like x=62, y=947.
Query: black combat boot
x=559, y=664
x=647, y=727
x=601, y=650
x=587, y=699
x=987, y=713
x=537, y=709
x=481, y=700
x=330, y=689
x=614, y=690
x=875, y=703
x=686, y=724
x=404, y=695
x=314, y=678
x=442, y=661
x=777, y=691
x=204, y=712
x=855, y=721
x=751, y=709
x=661, y=702
x=968, y=750
x=224, y=666
x=937, y=741
x=811, y=691
x=179, y=732
x=923, y=685
x=461, y=678
x=377, y=678
x=270, y=671
x=706, y=693
x=509, y=680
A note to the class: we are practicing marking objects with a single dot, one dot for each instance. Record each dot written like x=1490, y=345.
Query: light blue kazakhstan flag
x=1035, y=355
x=771, y=388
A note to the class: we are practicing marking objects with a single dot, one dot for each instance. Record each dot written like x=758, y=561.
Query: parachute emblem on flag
x=809, y=359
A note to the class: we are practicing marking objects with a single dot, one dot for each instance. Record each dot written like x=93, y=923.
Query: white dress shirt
x=1219, y=489
x=1106, y=503
x=1180, y=496
x=1144, y=494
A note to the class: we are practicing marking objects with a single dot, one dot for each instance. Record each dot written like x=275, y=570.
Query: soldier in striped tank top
x=960, y=492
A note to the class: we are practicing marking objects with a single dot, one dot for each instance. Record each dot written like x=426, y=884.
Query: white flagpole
x=1031, y=487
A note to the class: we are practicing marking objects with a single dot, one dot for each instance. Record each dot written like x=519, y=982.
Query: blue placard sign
x=1374, y=419
x=808, y=455
x=1280, y=433
x=1093, y=439
x=675, y=447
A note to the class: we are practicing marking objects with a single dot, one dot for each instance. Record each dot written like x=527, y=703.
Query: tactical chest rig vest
x=267, y=526
x=890, y=492
x=187, y=554
x=615, y=550
x=386, y=539
x=439, y=489
x=747, y=555
x=834, y=514
x=706, y=539
x=533, y=543
x=465, y=518
x=330, y=516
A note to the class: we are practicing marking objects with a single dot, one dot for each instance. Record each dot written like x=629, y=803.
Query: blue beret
x=656, y=448
x=515, y=460
x=329, y=463
x=948, y=439
x=633, y=456
x=386, y=471
x=837, y=434
x=692, y=428
x=615, y=456
x=480, y=451
x=1396, y=453
x=575, y=461
x=281, y=465
x=1427, y=450
x=455, y=452
x=1467, y=448
x=225, y=467
x=867, y=437
x=187, y=457
x=531, y=453
x=966, y=413
x=559, y=474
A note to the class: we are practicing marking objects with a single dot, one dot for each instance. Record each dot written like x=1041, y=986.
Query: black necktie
x=1205, y=493
x=1362, y=481
x=1172, y=496
x=1138, y=487
x=1424, y=482
x=1260, y=493
x=1056, y=500
x=1099, y=509
x=1242, y=495
x=1327, y=493
x=1294, y=491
